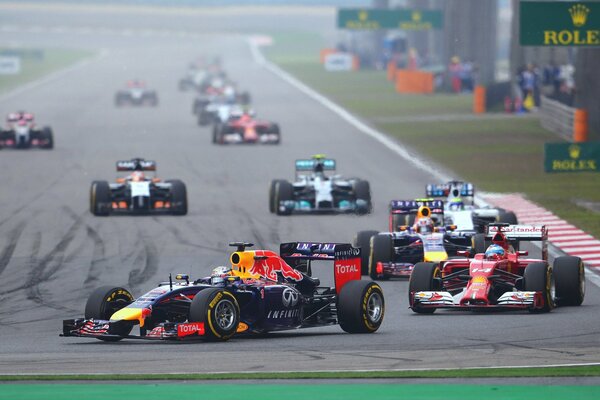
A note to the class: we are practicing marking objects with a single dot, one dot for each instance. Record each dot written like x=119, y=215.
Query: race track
x=53, y=252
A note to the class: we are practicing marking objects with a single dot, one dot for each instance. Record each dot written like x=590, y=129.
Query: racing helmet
x=456, y=204
x=219, y=274
x=138, y=176
x=424, y=225
x=495, y=252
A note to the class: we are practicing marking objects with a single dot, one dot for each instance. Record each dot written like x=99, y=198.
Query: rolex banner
x=572, y=157
x=559, y=23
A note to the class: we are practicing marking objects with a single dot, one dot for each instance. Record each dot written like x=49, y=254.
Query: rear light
x=379, y=268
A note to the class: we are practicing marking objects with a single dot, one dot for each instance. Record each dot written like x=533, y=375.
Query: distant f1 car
x=137, y=193
x=246, y=129
x=260, y=292
x=416, y=233
x=136, y=94
x=315, y=192
x=460, y=209
x=21, y=132
x=499, y=277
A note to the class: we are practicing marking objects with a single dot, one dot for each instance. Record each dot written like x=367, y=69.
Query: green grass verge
x=570, y=371
x=499, y=155
x=33, y=68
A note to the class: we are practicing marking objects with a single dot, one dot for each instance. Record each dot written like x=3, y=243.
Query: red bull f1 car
x=261, y=291
x=314, y=191
x=246, y=129
x=21, y=132
x=416, y=233
x=499, y=277
x=138, y=193
x=136, y=94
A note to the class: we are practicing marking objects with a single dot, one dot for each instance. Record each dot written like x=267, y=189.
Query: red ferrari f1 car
x=499, y=277
x=246, y=129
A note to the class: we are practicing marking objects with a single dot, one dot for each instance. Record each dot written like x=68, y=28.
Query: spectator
x=454, y=68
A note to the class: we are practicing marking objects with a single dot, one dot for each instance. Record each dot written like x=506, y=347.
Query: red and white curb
x=564, y=236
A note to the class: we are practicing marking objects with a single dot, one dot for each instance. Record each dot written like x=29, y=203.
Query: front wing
x=519, y=300
x=100, y=329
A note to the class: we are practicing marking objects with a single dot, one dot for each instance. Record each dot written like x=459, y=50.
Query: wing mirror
x=463, y=253
x=522, y=253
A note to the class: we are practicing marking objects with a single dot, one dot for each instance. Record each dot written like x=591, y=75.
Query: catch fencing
x=557, y=117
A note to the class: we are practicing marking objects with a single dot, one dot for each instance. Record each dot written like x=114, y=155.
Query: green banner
x=372, y=19
x=559, y=23
x=572, y=157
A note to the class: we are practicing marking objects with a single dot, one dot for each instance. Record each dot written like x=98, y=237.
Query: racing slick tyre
x=153, y=99
x=100, y=201
x=361, y=307
x=425, y=277
x=507, y=217
x=284, y=191
x=218, y=309
x=569, y=280
x=104, y=302
x=275, y=130
x=272, y=188
x=382, y=250
x=538, y=277
x=245, y=98
x=362, y=191
x=363, y=241
x=479, y=244
x=179, y=203
x=48, y=137
x=203, y=118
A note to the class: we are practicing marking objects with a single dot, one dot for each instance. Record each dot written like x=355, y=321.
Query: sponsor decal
x=282, y=314
x=289, y=298
x=242, y=327
x=190, y=328
x=214, y=301
x=269, y=266
x=479, y=279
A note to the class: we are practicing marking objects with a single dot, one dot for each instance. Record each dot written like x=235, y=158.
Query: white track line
x=382, y=138
x=53, y=76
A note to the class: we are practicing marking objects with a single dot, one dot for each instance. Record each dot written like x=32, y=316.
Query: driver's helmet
x=219, y=274
x=495, y=252
x=138, y=176
x=424, y=225
x=456, y=204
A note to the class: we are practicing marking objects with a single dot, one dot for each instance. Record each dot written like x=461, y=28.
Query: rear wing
x=454, y=188
x=136, y=164
x=309, y=165
x=412, y=206
x=346, y=258
x=519, y=233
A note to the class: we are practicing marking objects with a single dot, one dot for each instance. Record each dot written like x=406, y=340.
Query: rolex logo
x=574, y=151
x=363, y=15
x=579, y=14
x=416, y=16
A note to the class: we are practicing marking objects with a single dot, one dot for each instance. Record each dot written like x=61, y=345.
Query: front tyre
x=539, y=278
x=569, y=278
x=361, y=307
x=104, y=302
x=423, y=278
x=218, y=310
x=100, y=198
x=179, y=203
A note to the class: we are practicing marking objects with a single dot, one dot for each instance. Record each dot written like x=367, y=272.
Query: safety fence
x=557, y=117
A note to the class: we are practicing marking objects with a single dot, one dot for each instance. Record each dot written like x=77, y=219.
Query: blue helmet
x=495, y=252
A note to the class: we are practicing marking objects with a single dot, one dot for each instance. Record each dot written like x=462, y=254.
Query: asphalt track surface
x=53, y=252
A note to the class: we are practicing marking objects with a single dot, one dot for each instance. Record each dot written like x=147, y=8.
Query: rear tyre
x=539, y=278
x=424, y=278
x=363, y=241
x=179, y=204
x=284, y=191
x=569, y=279
x=100, y=199
x=361, y=307
x=479, y=243
x=362, y=191
x=104, y=302
x=382, y=250
x=507, y=217
x=218, y=310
